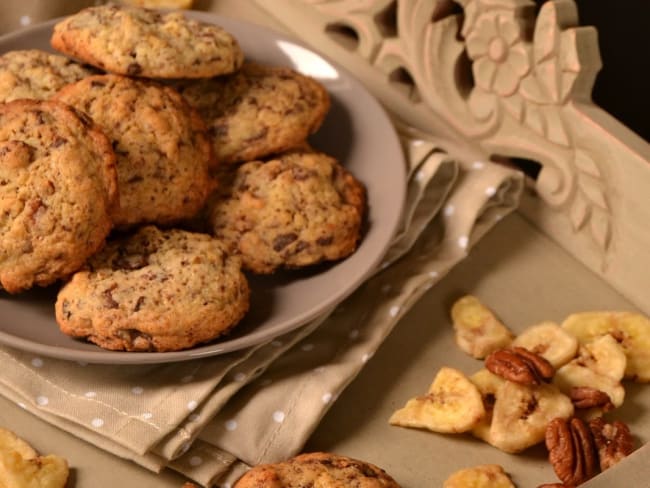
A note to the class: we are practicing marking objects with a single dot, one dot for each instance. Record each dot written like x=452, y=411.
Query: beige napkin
x=211, y=418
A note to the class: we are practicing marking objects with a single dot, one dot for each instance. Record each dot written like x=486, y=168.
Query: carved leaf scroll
x=554, y=70
x=426, y=45
x=590, y=202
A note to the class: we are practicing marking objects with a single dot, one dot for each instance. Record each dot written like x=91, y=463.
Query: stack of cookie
x=149, y=165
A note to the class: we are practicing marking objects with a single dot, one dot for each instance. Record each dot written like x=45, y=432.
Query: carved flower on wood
x=500, y=58
x=530, y=79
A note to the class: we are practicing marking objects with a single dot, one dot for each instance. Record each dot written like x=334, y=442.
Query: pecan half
x=613, y=441
x=572, y=450
x=587, y=397
x=520, y=365
x=586, y=453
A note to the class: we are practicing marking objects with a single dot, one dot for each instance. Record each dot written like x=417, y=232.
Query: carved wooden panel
x=504, y=80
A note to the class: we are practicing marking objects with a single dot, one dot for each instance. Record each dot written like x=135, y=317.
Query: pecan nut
x=520, y=365
x=587, y=397
x=613, y=441
x=587, y=455
x=555, y=485
x=572, y=450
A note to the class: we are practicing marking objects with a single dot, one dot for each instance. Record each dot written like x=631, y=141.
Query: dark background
x=623, y=85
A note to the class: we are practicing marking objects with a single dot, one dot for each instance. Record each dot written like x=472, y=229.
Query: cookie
x=162, y=152
x=318, y=469
x=296, y=210
x=141, y=42
x=159, y=3
x=258, y=111
x=57, y=191
x=37, y=74
x=154, y=290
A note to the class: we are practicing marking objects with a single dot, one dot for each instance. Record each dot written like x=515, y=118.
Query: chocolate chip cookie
x=36, y=74
x=318, y=469
x=296, y=210
x=162, y=152
x=58, y=187
x=141, y=42
x=154, y=290
x=259, y=110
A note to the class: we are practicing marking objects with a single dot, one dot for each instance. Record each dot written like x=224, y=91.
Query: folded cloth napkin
x=212, y=418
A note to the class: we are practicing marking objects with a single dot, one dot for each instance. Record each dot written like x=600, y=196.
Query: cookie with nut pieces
x=325, y=470
x=296, y=210
x=479, y=476
x=159, y=140
x=154, y=290
x=36, y=74
x=143, y=42
x=258, y=111
x=58, y=190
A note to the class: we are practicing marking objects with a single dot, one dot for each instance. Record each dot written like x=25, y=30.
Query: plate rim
x=103, y=356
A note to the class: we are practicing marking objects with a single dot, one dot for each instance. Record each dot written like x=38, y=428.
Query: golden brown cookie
x=296, y=210
x=259, y=110
x=159, y=3
x=154, y=291
x=162, y=152
x=37, y=74
x=141, y=42
x=57, y=191
x=317, y=469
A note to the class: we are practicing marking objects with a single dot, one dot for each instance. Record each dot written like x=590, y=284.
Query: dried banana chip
x=600, y=365
x=22, y=467
x=550, y=341
x=631, y=331
x=452, y=405
x=481, y=476
x=487, y=383
x=478, y=331
x=521, y=414
x=604, y=356
x=11, y=442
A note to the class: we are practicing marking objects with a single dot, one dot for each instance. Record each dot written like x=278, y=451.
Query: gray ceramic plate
x=356, y=131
